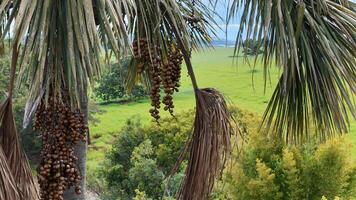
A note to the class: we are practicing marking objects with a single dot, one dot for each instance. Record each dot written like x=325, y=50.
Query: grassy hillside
x=241, y=84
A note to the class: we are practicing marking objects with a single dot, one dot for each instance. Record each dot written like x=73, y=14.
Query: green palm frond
x=155, y=20
x=58, y=31
x=110, y=17
x=314, y=42
x=61, y=46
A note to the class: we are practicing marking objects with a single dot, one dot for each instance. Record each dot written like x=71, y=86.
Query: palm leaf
x=16, y=158
x=10, y=144
x=8, y=188
x=314, y=42
x=61, y=42
x=210, y=145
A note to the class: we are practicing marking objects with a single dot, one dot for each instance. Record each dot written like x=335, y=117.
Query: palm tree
x=60, y=55
x=57, y=50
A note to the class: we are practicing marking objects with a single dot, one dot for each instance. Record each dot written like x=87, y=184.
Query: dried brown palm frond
x=8, y=188
x=209, y=146
x=16, y=158
x=210, y=143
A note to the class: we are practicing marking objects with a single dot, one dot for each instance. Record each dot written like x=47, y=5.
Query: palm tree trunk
x=81, y=153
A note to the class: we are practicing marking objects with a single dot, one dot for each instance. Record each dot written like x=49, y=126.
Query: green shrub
x=111, y=85
x=266, y=169
x=140, y=195
x=142, y=157
x=271, y=170
x=144, y=173
x=125, y=170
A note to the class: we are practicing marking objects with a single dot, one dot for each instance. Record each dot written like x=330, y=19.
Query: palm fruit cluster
x=171, y=73
x=162, y=72
x=148, y=55
x=155, y=77
x=141, y=52
x=61, y=129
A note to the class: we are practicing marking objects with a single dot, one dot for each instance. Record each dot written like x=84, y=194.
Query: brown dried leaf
x=16, y=158
x=8, y=189
x=209, y=147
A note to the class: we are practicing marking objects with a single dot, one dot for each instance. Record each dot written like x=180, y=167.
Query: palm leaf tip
x=8, y=188
x=314, y=43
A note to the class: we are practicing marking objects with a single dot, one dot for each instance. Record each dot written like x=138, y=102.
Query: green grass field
x=242, y=85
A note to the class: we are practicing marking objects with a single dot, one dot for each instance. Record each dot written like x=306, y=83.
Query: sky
x=221, y=10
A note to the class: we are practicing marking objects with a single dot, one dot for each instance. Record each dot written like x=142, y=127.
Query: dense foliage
x=142, y=156
x=111, y=86
x=269, y=170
